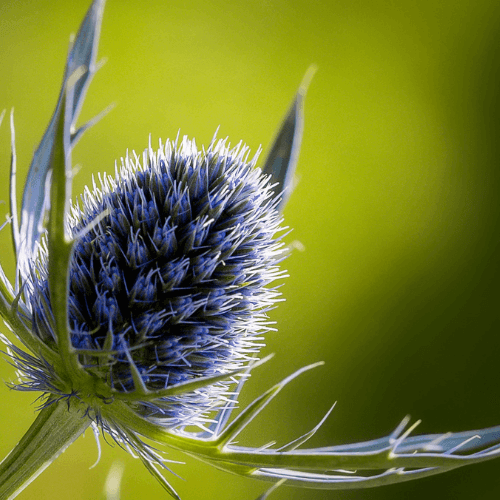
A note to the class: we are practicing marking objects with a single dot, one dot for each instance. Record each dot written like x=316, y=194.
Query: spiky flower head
x=170, y=272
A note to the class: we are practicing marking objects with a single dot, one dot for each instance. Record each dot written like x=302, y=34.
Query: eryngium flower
x=140, y=310
x=170, y=272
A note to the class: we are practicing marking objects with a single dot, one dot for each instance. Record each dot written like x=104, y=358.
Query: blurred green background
x=397, y=206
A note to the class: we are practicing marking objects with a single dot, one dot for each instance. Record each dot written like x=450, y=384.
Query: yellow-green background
x=397, y=206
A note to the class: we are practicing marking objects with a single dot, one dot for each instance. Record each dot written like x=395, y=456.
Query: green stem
x=54, y=429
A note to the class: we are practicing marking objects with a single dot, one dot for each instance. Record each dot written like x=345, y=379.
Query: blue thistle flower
x=173, y=278
x=140, y=307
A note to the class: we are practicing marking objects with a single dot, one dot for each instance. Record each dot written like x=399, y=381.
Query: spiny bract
x=173, y=277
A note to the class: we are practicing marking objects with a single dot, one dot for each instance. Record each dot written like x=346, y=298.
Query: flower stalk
x=56, y=426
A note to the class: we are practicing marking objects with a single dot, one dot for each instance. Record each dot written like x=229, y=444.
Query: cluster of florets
x=174, y=275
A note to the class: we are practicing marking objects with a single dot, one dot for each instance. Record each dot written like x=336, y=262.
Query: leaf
x=284, y=154
x=35, y=197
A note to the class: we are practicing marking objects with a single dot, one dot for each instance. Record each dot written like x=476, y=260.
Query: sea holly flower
x=140, y=309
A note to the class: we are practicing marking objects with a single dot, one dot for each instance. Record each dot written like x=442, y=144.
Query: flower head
x=171, y=282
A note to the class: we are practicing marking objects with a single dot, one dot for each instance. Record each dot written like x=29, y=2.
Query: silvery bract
x=141, y=307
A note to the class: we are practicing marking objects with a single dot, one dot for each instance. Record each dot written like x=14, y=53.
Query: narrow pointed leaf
x=77, y=134
x=293, y=445
x=254, y=408
x=164, y=483
x=344, y=482
x=385, y=460
x=35, y=202
x=284, y=153
x=438, y=443
x=274, y=487
x=59, y=245
x=13, y=186
x=183, y=387
x=384, y=456
x=224, y=414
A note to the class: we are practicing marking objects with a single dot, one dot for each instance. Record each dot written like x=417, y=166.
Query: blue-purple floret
x=175, y=275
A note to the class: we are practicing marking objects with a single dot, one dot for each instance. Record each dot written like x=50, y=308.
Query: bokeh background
x=397, y=206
